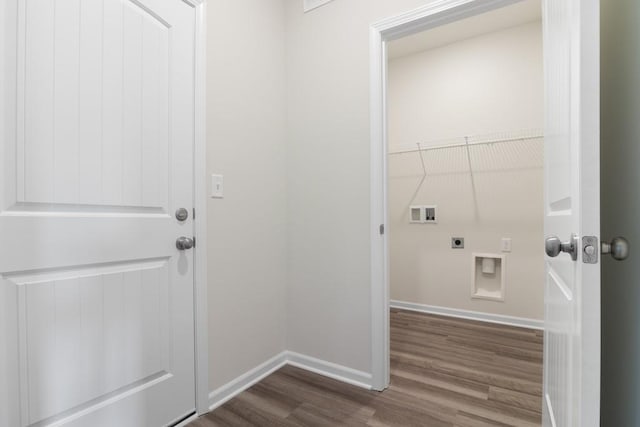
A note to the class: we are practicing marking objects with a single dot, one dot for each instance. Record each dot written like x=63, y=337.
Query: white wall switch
x=505, y=244
x=217, y=186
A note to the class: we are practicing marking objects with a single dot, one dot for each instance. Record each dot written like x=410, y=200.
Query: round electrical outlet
x=457, y=242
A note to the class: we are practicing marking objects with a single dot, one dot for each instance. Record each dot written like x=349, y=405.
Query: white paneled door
x=572, y=207
x=96, y=155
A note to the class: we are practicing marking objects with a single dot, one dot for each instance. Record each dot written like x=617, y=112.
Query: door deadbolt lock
x=182, y=214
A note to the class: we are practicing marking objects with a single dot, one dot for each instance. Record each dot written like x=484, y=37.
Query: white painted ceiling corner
x=312, y=4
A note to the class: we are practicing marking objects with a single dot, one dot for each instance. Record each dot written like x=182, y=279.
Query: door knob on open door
x=184, y=243
x=553, y=246
x=618, y=248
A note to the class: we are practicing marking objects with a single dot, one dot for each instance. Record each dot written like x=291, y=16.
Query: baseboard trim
x=185, y=422
x=246, y=380
x=343, y=373
x=521, y=322
x=331, y=370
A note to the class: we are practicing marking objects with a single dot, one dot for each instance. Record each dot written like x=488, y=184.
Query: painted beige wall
x=246, y=143
x=488, y=84
x=481, y=85
x=290, y=272
x=328, y=298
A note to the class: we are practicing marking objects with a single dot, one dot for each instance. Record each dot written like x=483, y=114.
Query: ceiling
x=521, y=13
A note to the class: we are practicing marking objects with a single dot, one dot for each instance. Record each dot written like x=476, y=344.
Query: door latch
x=590, y=249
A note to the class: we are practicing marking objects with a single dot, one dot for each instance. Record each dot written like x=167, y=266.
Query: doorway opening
x=465, y=168
x=462, y=121
x=571, y=383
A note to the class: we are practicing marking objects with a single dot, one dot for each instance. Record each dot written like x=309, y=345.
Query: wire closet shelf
x=470, y=140
x=531, y=138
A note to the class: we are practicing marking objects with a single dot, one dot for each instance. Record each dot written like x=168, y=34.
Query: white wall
x=488, y=84
x=315, y=241
x=620, y=210
x=481, y=85
x=328, y=178
x=246, y=142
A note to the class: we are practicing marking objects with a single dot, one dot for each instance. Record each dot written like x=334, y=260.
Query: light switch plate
x=217, y=186
x=505, y=244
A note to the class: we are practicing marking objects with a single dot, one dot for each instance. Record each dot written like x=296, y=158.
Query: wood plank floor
x=444, y=372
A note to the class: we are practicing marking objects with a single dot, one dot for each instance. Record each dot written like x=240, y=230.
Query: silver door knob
x=553, y=246
x=618, y=248
x=184, y=243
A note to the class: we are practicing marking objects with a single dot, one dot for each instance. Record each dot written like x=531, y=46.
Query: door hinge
x=381, y=229
x=590, y=249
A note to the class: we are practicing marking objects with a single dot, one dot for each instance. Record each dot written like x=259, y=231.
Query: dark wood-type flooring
x=444, y=372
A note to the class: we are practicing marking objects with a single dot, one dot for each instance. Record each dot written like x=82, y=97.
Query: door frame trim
x=201, y=317
x=423, y=18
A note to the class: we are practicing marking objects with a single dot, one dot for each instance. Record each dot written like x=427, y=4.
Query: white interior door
x=572, y=206
x=97, y=125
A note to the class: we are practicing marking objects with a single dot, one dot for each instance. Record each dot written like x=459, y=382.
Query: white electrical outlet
x=505, y=244
x=217, y=186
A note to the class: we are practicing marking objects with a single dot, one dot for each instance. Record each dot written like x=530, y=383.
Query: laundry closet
x=465, y=168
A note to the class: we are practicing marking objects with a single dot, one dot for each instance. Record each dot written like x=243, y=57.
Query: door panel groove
x=70, y=272
x=101, y=401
